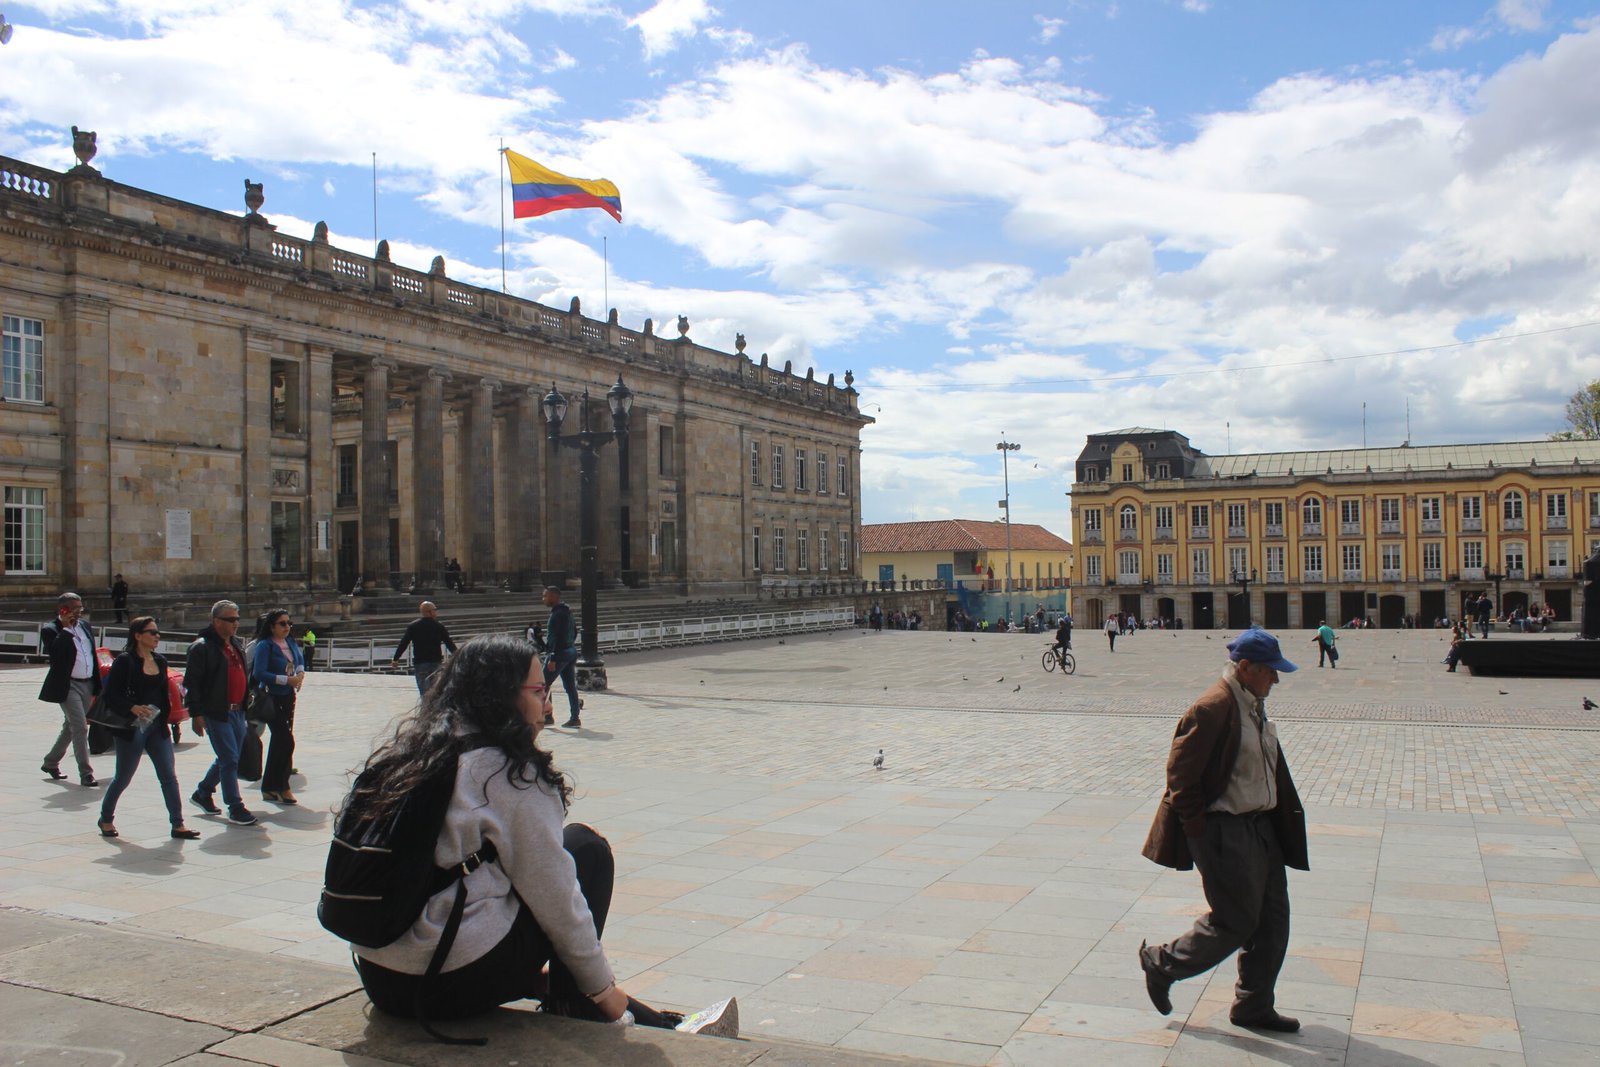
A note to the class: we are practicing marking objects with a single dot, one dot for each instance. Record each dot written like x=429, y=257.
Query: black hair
x=265, y=621
x=476, y=694
x=134, y=626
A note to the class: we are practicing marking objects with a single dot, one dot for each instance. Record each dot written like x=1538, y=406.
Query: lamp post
x=1005, y=448
x=1244, y=581
x=591, y=670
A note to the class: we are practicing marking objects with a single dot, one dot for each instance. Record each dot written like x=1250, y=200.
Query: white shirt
x=84, y=666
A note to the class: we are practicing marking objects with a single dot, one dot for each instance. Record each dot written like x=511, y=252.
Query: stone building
x=203, y=403
x=1287, y=539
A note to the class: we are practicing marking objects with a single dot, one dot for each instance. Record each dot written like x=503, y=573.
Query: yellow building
x=965, y=553
x=1289, y=539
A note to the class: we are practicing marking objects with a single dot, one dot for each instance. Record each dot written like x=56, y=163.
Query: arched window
x=1311, y=510
x=1128, y=520
x=1511, y=505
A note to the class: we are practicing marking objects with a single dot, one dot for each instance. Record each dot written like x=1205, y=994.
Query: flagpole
x=502, y=214
x=605, y=260
x=374, y=205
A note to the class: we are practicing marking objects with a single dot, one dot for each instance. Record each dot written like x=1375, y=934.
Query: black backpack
x=380, y=874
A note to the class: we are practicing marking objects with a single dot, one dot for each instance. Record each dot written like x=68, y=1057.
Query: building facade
x=965, y=552
x=202, y=403
x=1289, y=539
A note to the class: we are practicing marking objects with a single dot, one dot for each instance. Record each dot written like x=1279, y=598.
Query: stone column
x=320, y=461
x=86, y=476
x=375, y=475
x=427, y=481
x=255, y=532
x=526, y=430
x=477, y=482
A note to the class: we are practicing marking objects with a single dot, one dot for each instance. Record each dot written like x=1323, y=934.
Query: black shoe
x=54, y=772
x=88, y=781
x=1282, y=1024
x=1158, y=985
x=205, y=803
x=240, y=815
x=572, y=723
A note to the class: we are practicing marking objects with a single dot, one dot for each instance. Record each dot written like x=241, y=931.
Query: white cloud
x=664, y=26
x=1521, y=14
x=1049, y=28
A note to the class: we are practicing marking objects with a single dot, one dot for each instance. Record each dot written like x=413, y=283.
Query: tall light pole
x=1005, y=448
x=591, y=671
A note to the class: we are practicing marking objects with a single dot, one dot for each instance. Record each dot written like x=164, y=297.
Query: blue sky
x=1275, y=225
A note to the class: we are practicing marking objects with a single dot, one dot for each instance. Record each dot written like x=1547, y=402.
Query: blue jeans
x=425, y=673
x=227, y=738
x=131, y=746
x=564, y=663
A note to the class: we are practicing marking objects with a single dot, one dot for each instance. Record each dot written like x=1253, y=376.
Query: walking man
x=1485, y=613
x=216, y=679
x=1231, y=810
x=557, y=640
x=428, y=638
x=1326, y=649
x=72, y=682
x=1113, y=627
x=119, y=598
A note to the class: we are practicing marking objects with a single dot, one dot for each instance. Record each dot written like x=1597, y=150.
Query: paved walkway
x=979, y=899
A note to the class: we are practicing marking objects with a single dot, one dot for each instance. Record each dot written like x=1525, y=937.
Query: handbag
x=250, y=757
x=259, y=706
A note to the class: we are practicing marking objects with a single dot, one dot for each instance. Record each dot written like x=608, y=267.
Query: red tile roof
x=958, y=535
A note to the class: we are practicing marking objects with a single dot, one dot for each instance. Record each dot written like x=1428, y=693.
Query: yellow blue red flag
x=537, y=190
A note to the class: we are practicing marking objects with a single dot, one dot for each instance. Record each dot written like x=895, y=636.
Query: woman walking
x=276, y=665
x=136, y=706
x=543, y=899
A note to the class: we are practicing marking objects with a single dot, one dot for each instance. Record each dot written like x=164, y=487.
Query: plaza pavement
x=978, y=900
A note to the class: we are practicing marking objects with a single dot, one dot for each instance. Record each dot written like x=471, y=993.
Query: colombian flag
x=537, y=190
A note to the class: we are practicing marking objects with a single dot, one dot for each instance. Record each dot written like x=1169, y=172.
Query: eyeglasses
x=155, y=633
x=283, y=622
x=227, y=618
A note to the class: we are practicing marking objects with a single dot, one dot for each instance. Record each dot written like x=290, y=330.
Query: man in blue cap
x=1231, y=810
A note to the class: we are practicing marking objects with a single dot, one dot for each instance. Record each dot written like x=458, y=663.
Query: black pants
x=280, y=751
x=510, y=970
x=1241, y=869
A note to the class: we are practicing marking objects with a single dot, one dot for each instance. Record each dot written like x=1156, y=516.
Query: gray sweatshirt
x=525, y=825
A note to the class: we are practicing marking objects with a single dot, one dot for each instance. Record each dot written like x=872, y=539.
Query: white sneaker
x=719, y=1020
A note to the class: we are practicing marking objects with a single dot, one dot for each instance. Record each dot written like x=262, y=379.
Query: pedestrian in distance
x=427, y=638
x=217, y=679
x=119, y=598
x=1113, y=625
x=1230, y=809
x=559, y=643
x=71, y=683
x=1327, y=645
x=277, y=666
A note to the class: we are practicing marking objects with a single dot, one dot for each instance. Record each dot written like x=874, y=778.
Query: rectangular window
x=1164, y=519
x=1091, y=568
x=1273, y=516
x=844, y=479
x=1349, y=516
x=1200, y=520
x=802, y=549
x=1472, y=507
x=844, y=550
x=1555, y=509
x=345, y=478
x=287, y=537
x=1391, y=562
x=1236, y=519
x=1594, y=510
x=822, y=549
x=1555, y=557
x=1430, y=509
x=23, y=348
x=755, y=462
x=822, y=479
x=1127, y=472
x=1200, y=565
x=1472, y=555
x=1432, y=559
x=1312, y=558
x=1091, y=474
x=777, y=466
x=778, y=560
x=664, y=459
x=1389, y=514
x=801, y=467
x=286, y=413
x=1516, y=558
x=1127, y=565
x=1091, y=522
x=1164, y=566
x=1350, y=560
x=755, y=547
x=1238, y=563
x=1275, y=556
x=1163, y=471
x=24, y=530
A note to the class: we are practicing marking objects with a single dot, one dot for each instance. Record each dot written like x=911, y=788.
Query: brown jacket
x=1204, y=748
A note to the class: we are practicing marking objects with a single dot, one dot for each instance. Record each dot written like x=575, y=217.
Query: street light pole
x=591, y=669
x=1244, y=581
x=1005, y=448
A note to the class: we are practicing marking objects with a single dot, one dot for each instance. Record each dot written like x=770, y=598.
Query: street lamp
x=1005, y=448
x=1244, y=581
x=619, y=398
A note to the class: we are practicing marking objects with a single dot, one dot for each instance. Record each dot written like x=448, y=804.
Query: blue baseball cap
x=1258, y=646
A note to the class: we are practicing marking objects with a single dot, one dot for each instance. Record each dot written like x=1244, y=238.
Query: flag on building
x=537, y=190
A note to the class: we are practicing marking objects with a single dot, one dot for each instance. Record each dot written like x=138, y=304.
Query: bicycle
x=1063, y=659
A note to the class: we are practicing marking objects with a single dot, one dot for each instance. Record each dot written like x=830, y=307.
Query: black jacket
x=118, y=701
x=59, y=644
x=205, y=676
x=425, y=635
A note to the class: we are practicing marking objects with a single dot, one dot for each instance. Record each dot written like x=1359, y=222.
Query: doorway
x=669, y=549
x=1513, y=601
x=1166, y=610
x=1433, y=606
x=1352, y=605
x=1560, y=602
x=1277, y=611
x=1200, y=617
x=348, y=557
x=1313, y=610
x=1238, y=611
x=1391, y=611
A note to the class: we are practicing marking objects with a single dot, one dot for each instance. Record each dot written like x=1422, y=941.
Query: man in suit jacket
x=1231, y=809
x=72, y=682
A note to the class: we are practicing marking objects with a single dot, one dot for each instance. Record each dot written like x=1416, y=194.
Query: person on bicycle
x=1063, y=636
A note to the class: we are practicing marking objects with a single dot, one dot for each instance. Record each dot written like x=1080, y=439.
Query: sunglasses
x=157, y=633
x=227, y=618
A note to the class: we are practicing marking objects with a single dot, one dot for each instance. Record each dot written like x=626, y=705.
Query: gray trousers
x=74, y=727
x=1247, y=889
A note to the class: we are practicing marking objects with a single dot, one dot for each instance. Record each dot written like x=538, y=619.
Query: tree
x=1583, y=415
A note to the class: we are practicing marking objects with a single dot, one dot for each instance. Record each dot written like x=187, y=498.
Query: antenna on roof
x=1363, y=424
x=1408, y=422
x=1229, y=425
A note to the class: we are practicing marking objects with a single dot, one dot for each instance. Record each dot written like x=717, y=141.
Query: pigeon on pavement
x=877, y=761
x=1589, y=705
